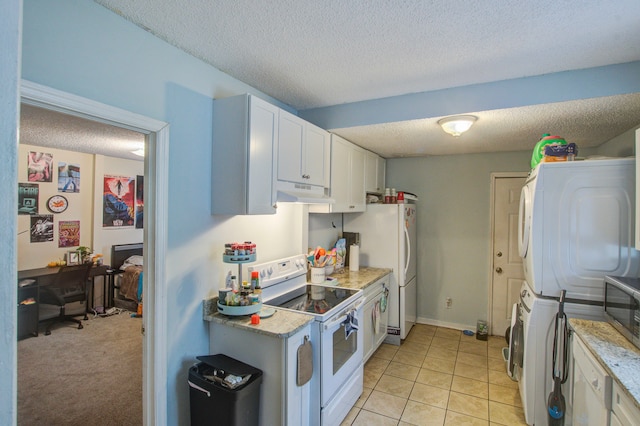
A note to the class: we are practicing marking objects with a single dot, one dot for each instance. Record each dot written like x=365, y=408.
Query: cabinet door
x=624, y=409
x=381, y=173
x=371, y=172
x=368, y=332
x=340, y=163
x=263, y=132
x=316, y=166
x=291, y=148
x=358, y=196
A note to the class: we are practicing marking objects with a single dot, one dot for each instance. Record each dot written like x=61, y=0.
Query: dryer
x=577, y=225
x=535, y=350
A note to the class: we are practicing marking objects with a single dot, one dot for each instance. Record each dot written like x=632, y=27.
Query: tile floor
x=438, y=376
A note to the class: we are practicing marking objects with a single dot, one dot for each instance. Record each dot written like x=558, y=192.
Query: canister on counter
x=481, y=330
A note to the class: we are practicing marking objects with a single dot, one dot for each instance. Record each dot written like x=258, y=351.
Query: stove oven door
x=341, y=353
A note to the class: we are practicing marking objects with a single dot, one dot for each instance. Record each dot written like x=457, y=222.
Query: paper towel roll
x=354, y=258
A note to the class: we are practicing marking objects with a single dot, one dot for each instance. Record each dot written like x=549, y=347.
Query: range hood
x=289, y=192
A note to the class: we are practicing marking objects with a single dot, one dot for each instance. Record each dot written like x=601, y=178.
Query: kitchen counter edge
x=282, y=324
x=619, y=357
x=361, y=278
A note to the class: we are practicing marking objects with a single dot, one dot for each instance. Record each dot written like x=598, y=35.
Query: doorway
x=507, y=272
x=155, y=234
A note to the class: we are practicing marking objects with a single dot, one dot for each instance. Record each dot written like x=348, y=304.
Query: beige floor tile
x=371, y=378
x=457, y=419
x=495, y=352
x=470, y=387
x=442, y=365
x=479, y=361
x=497, y=364
x=394, y=386
x=434, y=378
x=404, y=371
x=502, y=378
x=385, y=404
x=469, y=405
x=429, y=395
x=424, y=328
x=417, y=413
x=368, y=418
x=443, y=353
x=351, y=416
x=444, y=343
x=377, y=364
x=386, y=351
x=498, y=341
x=448, y=333
x=471, y=372
x=505, y=395
x=412, y=346
x=409, y=358
x=473, y=347
x=363, y=397
x=506, y=414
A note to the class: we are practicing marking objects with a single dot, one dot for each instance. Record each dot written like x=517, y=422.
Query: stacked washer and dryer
x=576, y=226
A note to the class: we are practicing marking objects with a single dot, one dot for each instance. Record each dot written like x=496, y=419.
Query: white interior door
x=507, y=270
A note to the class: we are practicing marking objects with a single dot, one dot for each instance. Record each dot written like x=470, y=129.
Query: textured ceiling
x=310, y=54
x=47, y=128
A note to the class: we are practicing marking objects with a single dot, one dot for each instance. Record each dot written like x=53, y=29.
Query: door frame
x=156, y=170
x=494, y=177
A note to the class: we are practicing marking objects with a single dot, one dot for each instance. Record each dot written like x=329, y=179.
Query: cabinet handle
x=306, y=177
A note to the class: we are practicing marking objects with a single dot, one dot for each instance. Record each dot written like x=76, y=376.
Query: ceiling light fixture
x=457, y=124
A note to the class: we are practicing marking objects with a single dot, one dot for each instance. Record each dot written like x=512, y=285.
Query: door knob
x=499, y=270
x=499, y=254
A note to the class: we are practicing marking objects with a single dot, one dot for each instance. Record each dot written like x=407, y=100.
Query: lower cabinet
x=623, y=411
x=375, y=316
x=282, y=401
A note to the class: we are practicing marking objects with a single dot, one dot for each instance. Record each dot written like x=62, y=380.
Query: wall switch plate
x=448, y=302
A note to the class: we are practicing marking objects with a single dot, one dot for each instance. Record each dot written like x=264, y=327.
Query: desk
x=45, y=276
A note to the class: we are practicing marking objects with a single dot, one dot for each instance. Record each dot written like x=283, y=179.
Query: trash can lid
x=229, y=365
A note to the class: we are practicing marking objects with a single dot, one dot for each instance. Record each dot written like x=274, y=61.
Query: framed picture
x=72, y=257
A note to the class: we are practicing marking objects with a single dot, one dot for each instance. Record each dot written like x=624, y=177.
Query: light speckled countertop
x=285, y=323
x=619, y=357
x=282, y=324
x=360, y=279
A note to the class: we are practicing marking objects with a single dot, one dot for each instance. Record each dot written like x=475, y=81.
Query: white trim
x=494, y=176
x=155, y=234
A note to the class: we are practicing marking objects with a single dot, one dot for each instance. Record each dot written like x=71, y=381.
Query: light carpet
x=74, y=377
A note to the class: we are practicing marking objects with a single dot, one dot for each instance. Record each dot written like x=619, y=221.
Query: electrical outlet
x=448, y=302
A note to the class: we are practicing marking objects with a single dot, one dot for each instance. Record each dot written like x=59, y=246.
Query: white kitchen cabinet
x=245, y=134
x=282, y=401
x=637, y=218
x=375, y=316
x=623, y=411
x=303, y=152
x=347, y=179
x=374, y=173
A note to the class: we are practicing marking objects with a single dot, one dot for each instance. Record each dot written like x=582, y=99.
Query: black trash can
x=224, y=391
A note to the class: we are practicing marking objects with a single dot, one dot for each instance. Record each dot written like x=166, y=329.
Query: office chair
x=68, y=294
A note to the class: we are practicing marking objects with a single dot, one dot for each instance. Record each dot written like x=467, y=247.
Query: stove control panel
x=280, y=270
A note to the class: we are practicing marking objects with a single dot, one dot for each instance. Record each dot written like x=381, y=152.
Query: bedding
x=130, y=286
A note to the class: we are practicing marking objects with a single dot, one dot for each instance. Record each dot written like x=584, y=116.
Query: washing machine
x=534, y=375
x=577, y=225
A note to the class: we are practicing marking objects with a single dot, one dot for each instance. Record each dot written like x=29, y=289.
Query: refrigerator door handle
x=408, y=243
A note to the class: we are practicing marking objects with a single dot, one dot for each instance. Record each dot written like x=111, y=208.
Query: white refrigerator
x=388, y=240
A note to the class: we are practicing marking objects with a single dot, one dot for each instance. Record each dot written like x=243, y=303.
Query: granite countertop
x=282, y=324
x=619, y=357
x=360, y=279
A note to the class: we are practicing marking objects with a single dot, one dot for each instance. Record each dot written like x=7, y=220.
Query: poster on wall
x=39, y=167
x=139, y=202
x=28, y=198
x=68, y=177
x=69, y=233
x=118, y=201
x=41, y=228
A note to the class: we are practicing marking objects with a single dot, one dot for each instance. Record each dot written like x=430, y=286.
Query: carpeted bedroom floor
x=83, y=377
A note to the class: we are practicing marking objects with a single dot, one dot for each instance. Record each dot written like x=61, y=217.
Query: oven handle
x=341, y=318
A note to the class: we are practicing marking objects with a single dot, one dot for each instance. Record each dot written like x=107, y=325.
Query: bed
x=126, y=261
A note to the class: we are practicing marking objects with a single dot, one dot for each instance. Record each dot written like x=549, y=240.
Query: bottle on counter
x=255, y=280
x=257, y=290
x=387, y=196
x=394, y=196
x=234, y=284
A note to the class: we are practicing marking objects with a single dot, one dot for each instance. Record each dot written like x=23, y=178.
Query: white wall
x=104, y=238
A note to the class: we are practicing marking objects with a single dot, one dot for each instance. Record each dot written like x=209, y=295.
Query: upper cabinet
x=245, y=135
x=374, y=173
x=303, y=152
x=347, y=178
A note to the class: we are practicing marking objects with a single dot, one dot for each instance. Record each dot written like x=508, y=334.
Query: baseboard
x=446, y=324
